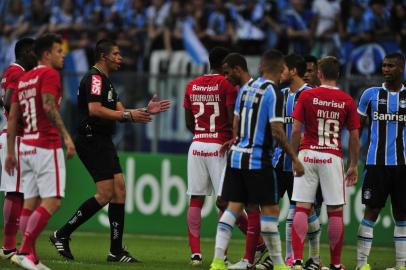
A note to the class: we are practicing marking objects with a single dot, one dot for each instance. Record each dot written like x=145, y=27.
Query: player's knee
x=104, y=196
x=371, y=213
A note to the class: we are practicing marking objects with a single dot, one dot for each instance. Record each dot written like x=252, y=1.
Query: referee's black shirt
x=96, y=87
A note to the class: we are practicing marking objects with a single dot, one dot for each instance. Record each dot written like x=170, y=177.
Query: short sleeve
x=353, y=117
x=51, y=82
x=364, y=102
x=275, y=112
x=238, y=102
x=13, y=79
x=299, y=111
x=94, y=88
x=186, y=100
x=231, y=92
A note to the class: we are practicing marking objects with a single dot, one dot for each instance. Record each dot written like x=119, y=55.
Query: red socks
x=335, y=235
x=253, y=232
x=299, y=231
x=11, y=214
x=25, y=215
x=36, y=224
x=194, y=220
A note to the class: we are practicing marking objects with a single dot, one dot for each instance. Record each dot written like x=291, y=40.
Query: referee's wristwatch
x=127, y=116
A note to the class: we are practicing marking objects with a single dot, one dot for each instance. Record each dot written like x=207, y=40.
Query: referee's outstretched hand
x=139, y=116
x=156, y=106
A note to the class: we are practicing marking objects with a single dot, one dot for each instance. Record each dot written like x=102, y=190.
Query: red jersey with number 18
x=207, y=97
x=38, y=129
x=325, y=111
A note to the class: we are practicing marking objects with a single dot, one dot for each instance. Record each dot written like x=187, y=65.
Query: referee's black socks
x=85, y=211
x=116, y=218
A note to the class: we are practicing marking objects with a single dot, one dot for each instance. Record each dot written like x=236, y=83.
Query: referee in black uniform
x=99, y=109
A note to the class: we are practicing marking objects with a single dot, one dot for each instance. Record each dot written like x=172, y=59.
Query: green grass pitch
x=166, y=253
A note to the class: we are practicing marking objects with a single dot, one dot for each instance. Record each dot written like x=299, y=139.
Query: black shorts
x=381, y=181
x=99, y=156
x=285, y=182
x=250, y=186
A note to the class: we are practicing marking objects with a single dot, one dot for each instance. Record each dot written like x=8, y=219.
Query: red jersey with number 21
x=325, y=111
x=207, y=97
x=38, y=129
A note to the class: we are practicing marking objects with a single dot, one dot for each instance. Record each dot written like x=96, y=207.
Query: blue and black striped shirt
x=289, y=102
x=258, y=104
x=387, y=117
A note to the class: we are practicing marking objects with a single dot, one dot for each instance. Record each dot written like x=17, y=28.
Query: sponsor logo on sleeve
x=96, y=85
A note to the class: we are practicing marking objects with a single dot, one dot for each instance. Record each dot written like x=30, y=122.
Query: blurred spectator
x=378, y=18
x=157, y=14
x=15, y=22
x=355, y=29
x=132, y=39
x=298, y=21
x=64, y=18
x=89, y=11
x=274, y=29
x=109, y=17
x=220, y=28
x=173, y=27
x=200, y=12
x=249, y=25
x=398, y=24
x=38, y=17
x=327, y=14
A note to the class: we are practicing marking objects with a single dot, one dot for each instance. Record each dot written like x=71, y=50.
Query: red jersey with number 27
x=207, y=97
x=38, y=129
x=325, y=111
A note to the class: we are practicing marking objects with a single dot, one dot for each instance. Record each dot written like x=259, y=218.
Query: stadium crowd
x=319, y=27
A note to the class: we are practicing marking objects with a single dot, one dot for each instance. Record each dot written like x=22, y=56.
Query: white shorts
x=205, y=169
x=324, y=168
x=43, y=171
x=10, y=183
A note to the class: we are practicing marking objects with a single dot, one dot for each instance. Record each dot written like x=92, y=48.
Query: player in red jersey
x=324, y=111
x=11, y=185
x=209, y=104
x=37, y=101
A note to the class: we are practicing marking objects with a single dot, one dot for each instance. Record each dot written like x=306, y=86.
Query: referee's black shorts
x=99, y=156
x=250, y=186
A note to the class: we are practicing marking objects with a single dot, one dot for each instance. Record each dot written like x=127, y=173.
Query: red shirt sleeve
x=231, y=92
x=51, y=82
x=12, y=80
x=353, y=117
x=299, y=111
x=186, y=100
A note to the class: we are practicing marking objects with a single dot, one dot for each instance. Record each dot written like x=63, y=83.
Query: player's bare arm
x=353, y=152
x=190, y=120
x=11, y=162
x=227, y=145
x=49, y=106
x=7, y=99
x=279, y=135
x=296, y=135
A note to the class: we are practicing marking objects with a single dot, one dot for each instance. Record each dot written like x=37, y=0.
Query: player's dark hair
x=272, y=59
x=400, y=57
x=296, y=61
x=236, y=60
x=103, y=46
x=310, y=59
x=216, y=57
x=22, y=46
x=329, y=67
x=45, y=42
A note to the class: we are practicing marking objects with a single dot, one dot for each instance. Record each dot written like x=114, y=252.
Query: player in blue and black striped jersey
x=292, y=76
x=385, y=168
x=258, y=120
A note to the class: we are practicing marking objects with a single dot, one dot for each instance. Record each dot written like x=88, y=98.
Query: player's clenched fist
x=298, y=168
